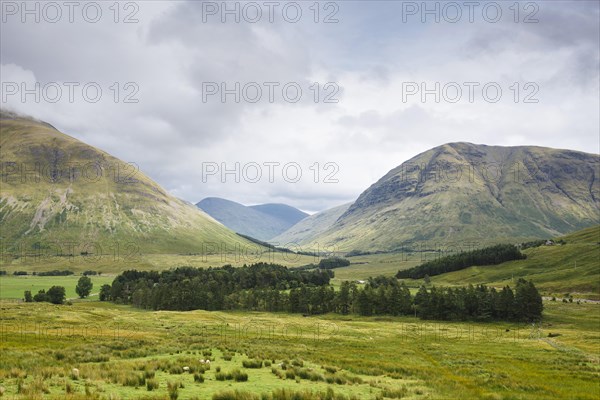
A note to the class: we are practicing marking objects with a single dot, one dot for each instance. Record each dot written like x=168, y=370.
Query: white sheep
x=75, y=373
x=186, y=369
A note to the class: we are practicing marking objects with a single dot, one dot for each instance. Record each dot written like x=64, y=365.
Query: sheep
x=75, y=373
x=202, y=361
x=186, y=369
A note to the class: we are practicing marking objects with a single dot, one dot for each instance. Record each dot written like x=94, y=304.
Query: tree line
x=487, y=256
x=188, y=288
x=274, y=288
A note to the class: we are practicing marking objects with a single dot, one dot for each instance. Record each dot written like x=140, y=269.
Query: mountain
x=290, y=215
x=63, y=196
x=306, y=230
x=463, y=192
x=261, y=222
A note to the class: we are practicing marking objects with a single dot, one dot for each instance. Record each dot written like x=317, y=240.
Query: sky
x=304, y=103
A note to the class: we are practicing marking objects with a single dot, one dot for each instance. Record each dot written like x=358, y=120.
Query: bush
x=56, y=295
x=237, y=395
x=220, y=376
x=55, y=273
x=252, y=364
x=173, y=389
x=239, y=376
x=395, y=393
x=198, y=378
x=151, y=384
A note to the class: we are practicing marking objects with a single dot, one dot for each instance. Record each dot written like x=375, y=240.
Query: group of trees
x=190, y=288
x=487, y=256
x=54, y=295
x=273, y=288
x=480, y=303
x=327, y=263
x=57, y=294
x=55, y=273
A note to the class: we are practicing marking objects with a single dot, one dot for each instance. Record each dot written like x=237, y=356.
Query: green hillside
x=462, y=192
x=59, y=195
x=307, y=229
x=558, y=269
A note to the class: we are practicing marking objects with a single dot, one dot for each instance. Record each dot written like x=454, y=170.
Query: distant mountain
x=261, y=221
x=304, y=232
x=60, y=194
x=290, y=215
x=463, y=192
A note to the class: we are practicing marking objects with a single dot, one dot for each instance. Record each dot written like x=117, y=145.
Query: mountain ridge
x=262, y=221
x=462, y=191
x=62, y=195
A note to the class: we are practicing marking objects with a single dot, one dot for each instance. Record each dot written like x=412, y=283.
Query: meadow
x=12, y=287
x=123, y=353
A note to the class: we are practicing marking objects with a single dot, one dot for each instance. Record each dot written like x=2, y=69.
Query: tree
x=84, y=286
x=56, y=295
x=28, y=297
x=40, y=296
x=105, y=292
x=365, y=302
x=528, y=301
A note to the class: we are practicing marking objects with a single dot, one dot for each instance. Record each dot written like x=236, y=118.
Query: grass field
x=12, y=287
x=116, y=348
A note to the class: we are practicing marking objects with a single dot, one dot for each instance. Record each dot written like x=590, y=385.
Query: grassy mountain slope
x=558, y=269
x=461, y=192
x=261, y=222
x=60, y=194
x=288, y=214
x=306, y=230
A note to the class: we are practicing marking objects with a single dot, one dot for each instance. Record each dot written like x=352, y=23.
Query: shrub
x=252, y=363
x=151, y=384
x=198, y=378
x=220, y=376
x=331, y=370
x=176, y=370
x=298, y=363
x=237, y=395
x=397, y=393
x=173, y=389
x=239, y=376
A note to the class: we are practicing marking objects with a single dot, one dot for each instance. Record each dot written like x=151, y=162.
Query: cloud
x=171, y=53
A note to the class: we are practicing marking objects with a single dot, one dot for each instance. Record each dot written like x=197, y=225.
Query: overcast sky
x=360, y=68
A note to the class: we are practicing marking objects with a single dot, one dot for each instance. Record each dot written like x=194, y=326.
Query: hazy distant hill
x=306, y=230
x=60, y=194
x=261, y=221
x=465, y=192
